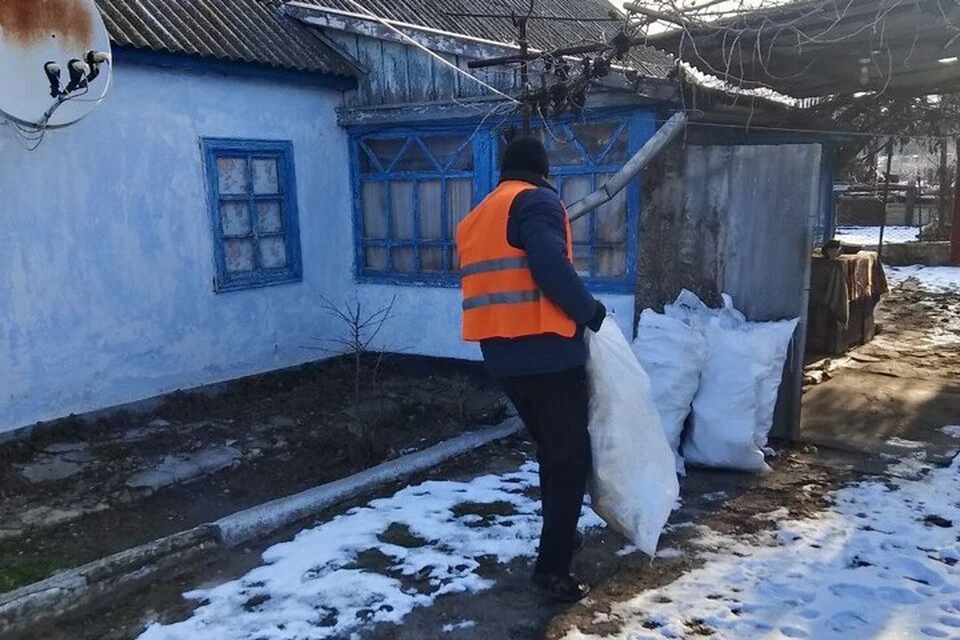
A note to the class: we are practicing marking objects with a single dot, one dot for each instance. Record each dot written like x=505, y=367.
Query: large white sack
x=633, y=485
x=734, y=406
x=780, y=336
x=691, y=309
x=672, y=353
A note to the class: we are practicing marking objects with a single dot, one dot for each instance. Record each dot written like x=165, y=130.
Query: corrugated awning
x=828, y=47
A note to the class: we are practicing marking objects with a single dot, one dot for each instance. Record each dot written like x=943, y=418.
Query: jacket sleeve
x=537, y=227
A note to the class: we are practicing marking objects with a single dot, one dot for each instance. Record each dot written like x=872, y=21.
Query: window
x=413, y=188
x=413, y=192
x=252, y=199
x=582, y=157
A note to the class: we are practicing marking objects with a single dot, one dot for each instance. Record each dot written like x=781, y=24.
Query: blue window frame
x=251, y=190
x=412, y=190
x=413, y=186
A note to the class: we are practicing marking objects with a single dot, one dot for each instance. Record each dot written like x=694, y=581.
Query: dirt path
x=510, y=608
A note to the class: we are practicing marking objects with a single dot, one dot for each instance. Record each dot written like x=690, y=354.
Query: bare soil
x=283, y=432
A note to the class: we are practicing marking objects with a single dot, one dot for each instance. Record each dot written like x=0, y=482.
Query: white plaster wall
x=106, y=254
x=427, y=320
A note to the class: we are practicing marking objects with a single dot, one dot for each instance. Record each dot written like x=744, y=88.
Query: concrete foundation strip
x=76, y=588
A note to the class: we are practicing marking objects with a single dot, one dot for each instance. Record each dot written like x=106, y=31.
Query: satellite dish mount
x=59, y=63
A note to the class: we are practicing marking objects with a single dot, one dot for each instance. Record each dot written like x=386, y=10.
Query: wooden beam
x=649, y=92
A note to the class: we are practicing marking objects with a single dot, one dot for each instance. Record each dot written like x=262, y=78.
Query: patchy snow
x=716, y=496
x=870, y=236
x=952, y=430
x=906, y=444
x=456, y=626
x=881, y=563
x=670, y=552
x=927, y=279
x=945, y=335
x=318, y=585
x=896, y=276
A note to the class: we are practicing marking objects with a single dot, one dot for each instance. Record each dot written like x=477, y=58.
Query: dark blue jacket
x=536, y=226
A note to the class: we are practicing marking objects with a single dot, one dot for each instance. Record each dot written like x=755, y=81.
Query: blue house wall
x=108, y=251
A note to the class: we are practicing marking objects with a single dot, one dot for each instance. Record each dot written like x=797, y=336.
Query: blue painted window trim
x=282, y=152
x=639, y=128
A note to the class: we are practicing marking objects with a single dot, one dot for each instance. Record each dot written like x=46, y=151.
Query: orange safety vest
x=500, y=297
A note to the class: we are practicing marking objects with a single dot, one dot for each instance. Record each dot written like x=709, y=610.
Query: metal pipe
x=886, y=196
x=524, y=72
x=955, y=225
x=670, y=129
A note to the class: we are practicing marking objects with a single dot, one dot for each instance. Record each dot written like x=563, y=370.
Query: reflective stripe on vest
x=490, y=299
x=500, y=264
x=500, y=297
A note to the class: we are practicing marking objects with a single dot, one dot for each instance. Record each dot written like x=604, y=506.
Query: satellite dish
x=56, y=61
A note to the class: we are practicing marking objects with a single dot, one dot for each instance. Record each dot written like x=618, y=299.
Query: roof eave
x=237, y=68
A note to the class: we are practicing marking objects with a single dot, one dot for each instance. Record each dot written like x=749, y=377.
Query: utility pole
x=955, y=230
x=567, y=93
x=521, y=23
x=886, y=195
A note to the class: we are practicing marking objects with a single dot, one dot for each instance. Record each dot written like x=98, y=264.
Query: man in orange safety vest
x=527, y=307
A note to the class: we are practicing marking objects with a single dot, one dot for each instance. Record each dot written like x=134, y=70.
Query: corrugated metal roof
x=817, y=48
x=543, y=34
x=254, y=31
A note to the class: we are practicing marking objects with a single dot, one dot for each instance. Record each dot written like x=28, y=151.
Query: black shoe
x=561, y=588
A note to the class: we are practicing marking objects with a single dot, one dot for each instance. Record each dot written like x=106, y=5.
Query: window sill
x=596, y=285
x=256, y=282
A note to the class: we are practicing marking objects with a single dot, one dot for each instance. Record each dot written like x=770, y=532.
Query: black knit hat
x=526, y=154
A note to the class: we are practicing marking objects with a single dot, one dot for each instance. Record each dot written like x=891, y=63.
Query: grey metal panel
x=735, y=219
x=774, y=195
x=253, y=31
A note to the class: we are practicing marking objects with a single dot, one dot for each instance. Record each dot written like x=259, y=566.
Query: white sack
x=733, y=409
x=780, y=336
x=633, y=485
x=691, y=309
x=672, y=353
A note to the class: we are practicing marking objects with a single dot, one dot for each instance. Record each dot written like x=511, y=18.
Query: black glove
x=598, y=318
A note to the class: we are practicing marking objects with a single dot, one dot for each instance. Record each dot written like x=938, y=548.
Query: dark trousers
x=553, y=407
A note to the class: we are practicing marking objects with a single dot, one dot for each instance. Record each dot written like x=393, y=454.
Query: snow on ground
x=870, y=236
x=880, y=564
x=454, y=626
x=316, y=586
x=939, y=281
x=952, y=430
x=929, y=279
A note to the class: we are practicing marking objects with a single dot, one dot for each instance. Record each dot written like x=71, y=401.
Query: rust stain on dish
x=27, y=22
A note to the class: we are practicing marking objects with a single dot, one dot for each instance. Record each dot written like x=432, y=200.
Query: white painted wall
x=427, y=321
x=106, y=254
